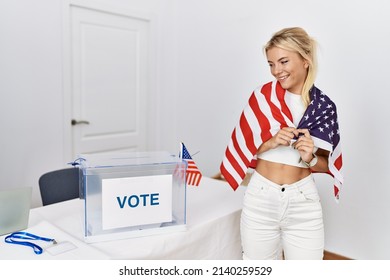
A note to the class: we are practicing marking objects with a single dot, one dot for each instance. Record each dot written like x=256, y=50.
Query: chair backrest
x=59, y=185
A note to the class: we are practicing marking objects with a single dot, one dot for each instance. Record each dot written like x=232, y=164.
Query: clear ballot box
x=132, y=194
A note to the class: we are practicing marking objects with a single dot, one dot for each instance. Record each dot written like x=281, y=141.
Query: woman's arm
x=322, y=161
x=305, y=146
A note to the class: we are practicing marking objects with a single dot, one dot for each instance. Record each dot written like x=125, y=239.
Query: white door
x=109, y=81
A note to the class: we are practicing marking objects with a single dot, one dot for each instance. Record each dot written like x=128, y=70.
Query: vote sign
x=134, y=201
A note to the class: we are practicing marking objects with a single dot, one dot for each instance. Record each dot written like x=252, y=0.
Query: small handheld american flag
x=193, y=175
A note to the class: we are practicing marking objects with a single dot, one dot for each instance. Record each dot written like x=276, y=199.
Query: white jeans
x=282, y=217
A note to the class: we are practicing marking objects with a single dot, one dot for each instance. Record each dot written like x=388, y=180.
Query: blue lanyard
x=27, y=236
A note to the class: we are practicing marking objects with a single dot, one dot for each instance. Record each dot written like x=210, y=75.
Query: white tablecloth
x=213, y=214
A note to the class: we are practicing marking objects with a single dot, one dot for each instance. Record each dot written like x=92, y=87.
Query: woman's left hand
x=305, y=145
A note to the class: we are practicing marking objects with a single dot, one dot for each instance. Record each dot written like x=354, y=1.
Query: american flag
x=193, y=175
x=265, y=114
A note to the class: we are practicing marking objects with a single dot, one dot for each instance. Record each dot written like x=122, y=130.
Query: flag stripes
x=193, y=175
x=265, y=114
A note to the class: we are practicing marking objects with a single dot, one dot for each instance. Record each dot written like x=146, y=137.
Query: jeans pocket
x=311, y=194
x=253, y=189
x=253, y=195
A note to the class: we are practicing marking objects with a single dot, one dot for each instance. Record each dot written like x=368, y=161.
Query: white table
x=213, y=217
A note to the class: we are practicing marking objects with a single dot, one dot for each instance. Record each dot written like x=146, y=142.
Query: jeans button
x=283, y=189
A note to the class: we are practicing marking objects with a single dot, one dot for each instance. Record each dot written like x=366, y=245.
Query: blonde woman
x=288, y=130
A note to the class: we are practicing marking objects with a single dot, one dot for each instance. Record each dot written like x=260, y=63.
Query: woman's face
x=289, y=68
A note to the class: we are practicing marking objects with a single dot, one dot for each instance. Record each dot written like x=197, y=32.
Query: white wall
x=208, y=59
x=31, y=91
x=32, y=118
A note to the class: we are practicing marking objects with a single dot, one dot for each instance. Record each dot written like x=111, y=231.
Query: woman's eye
x=284, y=61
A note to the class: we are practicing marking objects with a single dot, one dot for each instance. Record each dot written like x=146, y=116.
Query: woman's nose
x=276, y=70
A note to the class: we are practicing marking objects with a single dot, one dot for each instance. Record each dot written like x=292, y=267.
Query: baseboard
x=333, y=256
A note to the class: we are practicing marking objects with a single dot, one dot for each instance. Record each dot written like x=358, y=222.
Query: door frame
x=67, y=75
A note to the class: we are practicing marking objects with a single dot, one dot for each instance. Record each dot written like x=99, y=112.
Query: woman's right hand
x=282, y=137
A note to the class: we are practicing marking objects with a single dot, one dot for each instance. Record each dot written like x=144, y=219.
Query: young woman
x=288, y=130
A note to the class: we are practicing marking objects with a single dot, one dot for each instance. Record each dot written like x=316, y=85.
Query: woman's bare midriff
x=281, y=173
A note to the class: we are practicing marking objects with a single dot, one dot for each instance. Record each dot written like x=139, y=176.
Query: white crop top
x=287, y=154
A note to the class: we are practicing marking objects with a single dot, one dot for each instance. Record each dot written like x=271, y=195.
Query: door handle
x=75, y=122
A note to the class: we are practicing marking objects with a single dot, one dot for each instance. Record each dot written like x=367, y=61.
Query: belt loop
x=299, y=188
x=264, y=187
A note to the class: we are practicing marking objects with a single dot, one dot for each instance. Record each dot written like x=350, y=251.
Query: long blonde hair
x=297, y=40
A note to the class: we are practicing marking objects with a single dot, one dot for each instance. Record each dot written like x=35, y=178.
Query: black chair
x=59, y=185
